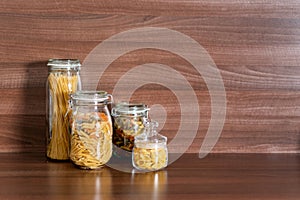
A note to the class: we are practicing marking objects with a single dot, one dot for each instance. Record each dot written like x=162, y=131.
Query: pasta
x=125, y=129
x=60, y=87
x=150, y=158
x=91, y=140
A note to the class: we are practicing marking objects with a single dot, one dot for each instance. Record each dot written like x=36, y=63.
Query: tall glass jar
x=128, y=122
x=91, y=138
x=150, y=151
x=63, y=80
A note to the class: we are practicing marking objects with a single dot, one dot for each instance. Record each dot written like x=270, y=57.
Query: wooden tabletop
x=218, y=176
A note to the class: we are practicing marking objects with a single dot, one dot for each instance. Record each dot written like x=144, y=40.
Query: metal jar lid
x=91, y=97
x=64, y=64
x=130, y=110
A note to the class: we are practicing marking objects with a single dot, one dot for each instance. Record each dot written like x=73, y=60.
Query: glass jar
x=63, y=80
x=150, y=151
x=91, y=138
x=128, y=121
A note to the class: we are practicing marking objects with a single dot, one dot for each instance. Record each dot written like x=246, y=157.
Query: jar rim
x=57, y=63
x=91, y=96
x=126, y=108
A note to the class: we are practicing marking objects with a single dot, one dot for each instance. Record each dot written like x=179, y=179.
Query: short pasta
x=150, y=158
x=91, y=140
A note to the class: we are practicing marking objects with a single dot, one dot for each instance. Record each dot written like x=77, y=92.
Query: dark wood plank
x=239, y=8
x=262, y=126
x=218, y=176
x=22, y=133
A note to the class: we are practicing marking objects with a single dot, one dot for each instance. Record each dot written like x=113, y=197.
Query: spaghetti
x=60, y=88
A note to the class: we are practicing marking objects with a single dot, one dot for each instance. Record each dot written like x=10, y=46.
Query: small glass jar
x=128, y=119
x=150, y=151
x=91, y=138
x=63, y=80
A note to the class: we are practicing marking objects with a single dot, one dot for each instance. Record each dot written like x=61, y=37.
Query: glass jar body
x=91, y=138
x=128, y=122
x=149, y=157
x=63, y=80
x=150, y=151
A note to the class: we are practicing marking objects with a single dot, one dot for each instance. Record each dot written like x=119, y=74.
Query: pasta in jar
x=63, y=80
x=150, y=158
x=128, y=123
x=91, y=139
x=150, y=151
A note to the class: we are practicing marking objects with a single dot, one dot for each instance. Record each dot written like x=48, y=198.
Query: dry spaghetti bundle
x=60, y=88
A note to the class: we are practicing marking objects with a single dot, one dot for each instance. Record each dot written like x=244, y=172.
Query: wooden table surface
x=218, y=176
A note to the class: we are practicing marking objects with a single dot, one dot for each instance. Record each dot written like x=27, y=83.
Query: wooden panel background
x=255, y=44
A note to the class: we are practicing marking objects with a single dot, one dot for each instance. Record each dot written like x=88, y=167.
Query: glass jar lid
x=67, y=64
x=150, y=137
x=130, y=109
x=95, y=97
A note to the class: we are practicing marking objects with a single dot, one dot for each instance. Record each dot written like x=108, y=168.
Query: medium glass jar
x=63, y=80
x=128, y=121
x=91, y=138
x=150, y=151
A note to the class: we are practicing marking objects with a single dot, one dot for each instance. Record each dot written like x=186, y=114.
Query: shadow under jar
x=91, y=139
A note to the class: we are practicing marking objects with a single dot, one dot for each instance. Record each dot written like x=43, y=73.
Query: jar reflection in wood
x=91, y=139
x=128, y=122
x=150, y=151
x=63, y=80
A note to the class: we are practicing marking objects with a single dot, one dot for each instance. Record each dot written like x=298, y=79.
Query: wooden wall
x=255, y=45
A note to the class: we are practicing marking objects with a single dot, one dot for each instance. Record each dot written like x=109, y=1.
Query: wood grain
x=255, y=46
x=216, y=177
